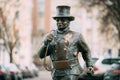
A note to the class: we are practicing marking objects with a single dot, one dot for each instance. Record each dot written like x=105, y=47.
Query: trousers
x=67, y=77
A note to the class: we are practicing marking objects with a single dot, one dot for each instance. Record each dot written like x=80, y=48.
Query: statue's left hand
x=87, y=74
x=48, y=39
x=90, y=70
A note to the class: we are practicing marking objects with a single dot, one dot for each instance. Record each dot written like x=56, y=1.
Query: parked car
x=26, y=71
x=102, y=65
x=3, y=73
x=113, y=73
x=14, y=72
x=83, y=65
x=82, y=62
x=94, y=60
x=34, y=69
x=31, y=70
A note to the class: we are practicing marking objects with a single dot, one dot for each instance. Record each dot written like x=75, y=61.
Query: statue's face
x=62, y=23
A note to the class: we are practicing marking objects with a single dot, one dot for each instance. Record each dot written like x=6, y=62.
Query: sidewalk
x=45, y=75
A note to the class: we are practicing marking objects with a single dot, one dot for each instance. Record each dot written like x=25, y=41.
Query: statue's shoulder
x=75, y=33
x=53, y=32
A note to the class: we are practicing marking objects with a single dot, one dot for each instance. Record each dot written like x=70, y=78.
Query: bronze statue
x=64, y=46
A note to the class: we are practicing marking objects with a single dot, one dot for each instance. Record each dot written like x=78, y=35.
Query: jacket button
x=75, y=54
x=65, y=49
x=55, y=50
x=55, y=43
x=66, y=42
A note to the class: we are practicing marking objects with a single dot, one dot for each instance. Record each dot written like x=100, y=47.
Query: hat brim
x=71, y=18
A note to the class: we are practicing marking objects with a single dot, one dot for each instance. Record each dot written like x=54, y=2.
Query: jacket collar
x=63, y=31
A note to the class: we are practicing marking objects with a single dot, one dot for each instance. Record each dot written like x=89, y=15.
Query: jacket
x=64, y=50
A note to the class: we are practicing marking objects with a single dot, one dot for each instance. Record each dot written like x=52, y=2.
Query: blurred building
x=25, y=30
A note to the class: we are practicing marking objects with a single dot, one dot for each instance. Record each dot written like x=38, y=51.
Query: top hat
x=63, y=11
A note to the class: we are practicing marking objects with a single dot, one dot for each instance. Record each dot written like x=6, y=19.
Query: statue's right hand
x=48, y=39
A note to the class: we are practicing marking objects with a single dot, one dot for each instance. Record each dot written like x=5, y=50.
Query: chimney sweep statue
x=63, y=46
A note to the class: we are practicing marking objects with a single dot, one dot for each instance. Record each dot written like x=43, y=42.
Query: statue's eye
x=62, y=20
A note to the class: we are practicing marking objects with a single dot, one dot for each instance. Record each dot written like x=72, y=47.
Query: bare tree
x=109, y=19
x=9, y=34
x=109, y=15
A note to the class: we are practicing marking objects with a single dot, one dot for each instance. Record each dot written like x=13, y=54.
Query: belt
x=73, y=61
x=64, y=64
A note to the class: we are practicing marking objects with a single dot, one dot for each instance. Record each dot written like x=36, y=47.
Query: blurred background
x=23, y=23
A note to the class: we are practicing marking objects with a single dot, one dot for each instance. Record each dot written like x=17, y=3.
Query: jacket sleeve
x=84, y=49
x=43, y=49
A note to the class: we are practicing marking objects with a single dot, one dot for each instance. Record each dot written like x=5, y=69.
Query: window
x=110, y=60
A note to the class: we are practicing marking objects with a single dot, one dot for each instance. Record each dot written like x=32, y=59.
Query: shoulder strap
x=44, y=63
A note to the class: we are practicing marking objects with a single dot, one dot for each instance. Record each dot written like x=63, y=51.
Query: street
x=43, y=75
